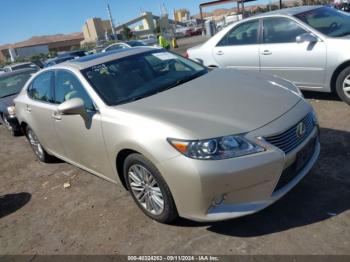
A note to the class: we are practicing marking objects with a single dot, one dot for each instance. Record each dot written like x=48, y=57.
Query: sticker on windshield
x=164, y=56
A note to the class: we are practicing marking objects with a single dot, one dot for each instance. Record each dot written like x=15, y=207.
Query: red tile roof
x=45, y=39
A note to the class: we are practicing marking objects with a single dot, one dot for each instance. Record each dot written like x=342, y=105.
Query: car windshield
x=135, y=43
x=327, y=20
x=11, y=85
x=138, y=76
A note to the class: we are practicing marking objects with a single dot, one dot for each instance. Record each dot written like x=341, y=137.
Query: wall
x=32, y=50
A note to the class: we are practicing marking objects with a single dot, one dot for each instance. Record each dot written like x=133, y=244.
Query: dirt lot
x=92, y=216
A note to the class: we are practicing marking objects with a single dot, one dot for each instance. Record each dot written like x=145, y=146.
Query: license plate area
x=304, y=155
x=302, y=158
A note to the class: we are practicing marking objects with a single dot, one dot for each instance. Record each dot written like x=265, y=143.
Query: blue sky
x=21, y=19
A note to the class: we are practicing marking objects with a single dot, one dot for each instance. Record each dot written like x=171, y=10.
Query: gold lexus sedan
x=185, y=141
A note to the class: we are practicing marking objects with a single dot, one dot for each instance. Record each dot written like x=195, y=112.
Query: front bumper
x=13, y=121
x=206, y=190
x=227, y=211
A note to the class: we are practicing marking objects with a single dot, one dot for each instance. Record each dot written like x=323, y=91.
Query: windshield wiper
x=167, y=87
x=183, y=80
x=9, y=95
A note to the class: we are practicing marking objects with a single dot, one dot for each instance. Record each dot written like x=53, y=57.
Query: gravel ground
x=91, y=216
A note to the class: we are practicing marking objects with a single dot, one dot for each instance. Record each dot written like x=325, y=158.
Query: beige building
x=95, y=29
x=181, y=15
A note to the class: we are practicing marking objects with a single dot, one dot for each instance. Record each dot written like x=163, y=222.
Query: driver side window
x=281, y=30
x=67, y=86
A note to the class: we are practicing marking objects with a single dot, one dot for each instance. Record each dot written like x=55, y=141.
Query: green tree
x=75, y=48
x=88, y=46
x=52, y=54
x=21, y=59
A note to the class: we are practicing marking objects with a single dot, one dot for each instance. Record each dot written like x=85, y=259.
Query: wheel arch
x=24, y=127
x=120, y=159
x=336, y=73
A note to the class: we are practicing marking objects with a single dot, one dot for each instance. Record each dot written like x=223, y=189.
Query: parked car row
x=18, y=66
x=194, y=31
x=184, y=140
x=11, y=83
x=123, y=45
x=306, y=45
x=64, y=56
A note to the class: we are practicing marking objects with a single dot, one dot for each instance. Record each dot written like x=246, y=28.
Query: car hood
x=222, y=102
x=7, y=101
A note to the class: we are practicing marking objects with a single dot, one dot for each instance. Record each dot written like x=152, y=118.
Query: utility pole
x=110, y=19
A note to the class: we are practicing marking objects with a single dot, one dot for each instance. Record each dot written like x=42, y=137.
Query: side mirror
x=306, y=37
x=73, y=106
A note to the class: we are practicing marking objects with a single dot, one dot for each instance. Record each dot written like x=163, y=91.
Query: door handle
x=266, y=52
x=220, y=52
x=56, y=116
x=28, y=108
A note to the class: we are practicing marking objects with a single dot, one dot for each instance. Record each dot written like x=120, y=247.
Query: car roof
x=19, y=71
x=100, y=58
x=288, y=11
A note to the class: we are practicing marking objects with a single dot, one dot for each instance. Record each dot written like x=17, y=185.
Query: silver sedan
x=306, y=45
x=205, y=145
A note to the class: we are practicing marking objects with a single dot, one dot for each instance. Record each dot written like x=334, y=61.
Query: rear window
x=11, y=85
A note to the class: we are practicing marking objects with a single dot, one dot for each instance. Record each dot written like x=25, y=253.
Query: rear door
x=280, y=54
x=239, y=48
x=39, y=111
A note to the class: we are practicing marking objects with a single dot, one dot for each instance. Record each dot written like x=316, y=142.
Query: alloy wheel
x=346, y=86
x=34, y=142
x=145, y=189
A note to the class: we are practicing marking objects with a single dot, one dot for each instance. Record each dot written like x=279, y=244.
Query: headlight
x=11, y=110
x=216, y=148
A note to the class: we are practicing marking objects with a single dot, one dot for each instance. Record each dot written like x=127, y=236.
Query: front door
x=301, y=63
x=82, y=141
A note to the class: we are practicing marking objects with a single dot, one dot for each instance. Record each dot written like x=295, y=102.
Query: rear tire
x=148, y=189
x=38, y=149
x=343, y=85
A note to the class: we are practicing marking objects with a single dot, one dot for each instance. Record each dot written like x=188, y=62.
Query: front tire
x=148, y=189
x=343, y=85
x=38, y=149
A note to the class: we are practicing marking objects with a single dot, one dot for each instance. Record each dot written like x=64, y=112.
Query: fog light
x=218, y=200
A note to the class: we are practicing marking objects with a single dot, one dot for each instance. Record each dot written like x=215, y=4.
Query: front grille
x=288, y=140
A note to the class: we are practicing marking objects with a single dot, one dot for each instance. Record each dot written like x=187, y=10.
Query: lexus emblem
x=301, y=130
